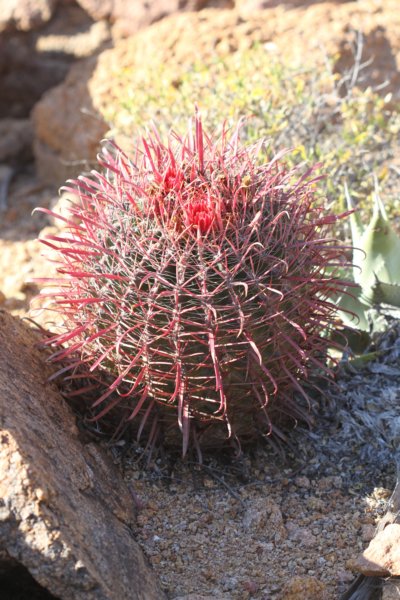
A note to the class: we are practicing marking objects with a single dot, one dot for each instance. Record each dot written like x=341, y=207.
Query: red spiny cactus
x=194, y=285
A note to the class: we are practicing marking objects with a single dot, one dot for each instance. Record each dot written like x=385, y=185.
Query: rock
x=25, y=15
x=25, y=75
x=344, y=576
x=202, y=597
x=88, y=97
x=391, y=590
x=302, y=482
x=367, y=532
x=78, y=43
x=17, y=583
x=16, y=138
x=58, y=156
x=382, y=557
x=305, y=587
x=66, y=514
x=128, y=17
x=32, y=62
x=61, y=205
x=265, y=516
x=301, y=535
x=98, y=9
x=6, y=175
x=246, y=6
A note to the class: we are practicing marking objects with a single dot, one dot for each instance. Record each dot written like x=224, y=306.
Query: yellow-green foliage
x=350, y=131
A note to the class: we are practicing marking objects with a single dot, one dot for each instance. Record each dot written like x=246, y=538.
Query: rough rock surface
x=87, y=93
x=59, y=156
x=251, y=5
x=16, y=583
x=98, y=9
x=391, y=591
x=128, y=17
x=382, y=557
x=16, y=138
x=32, y=62
x=24, y=15
x=66, y=514
x=201, y=597
x=304, y=587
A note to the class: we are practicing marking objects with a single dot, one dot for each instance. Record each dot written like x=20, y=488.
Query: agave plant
x=194, y=286
x=376, y=268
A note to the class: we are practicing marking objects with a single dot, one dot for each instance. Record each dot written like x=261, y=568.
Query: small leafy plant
x=194, y=285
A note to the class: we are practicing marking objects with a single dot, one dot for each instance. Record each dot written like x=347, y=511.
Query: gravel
x=262, y=526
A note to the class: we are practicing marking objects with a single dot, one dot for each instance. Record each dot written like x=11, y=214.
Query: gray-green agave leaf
x=376, y=271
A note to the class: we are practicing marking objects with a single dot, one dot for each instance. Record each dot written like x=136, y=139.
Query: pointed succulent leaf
x=353, y=309
x=356, y=225
x=381, y=246
x=376, y=249
x=387, y=293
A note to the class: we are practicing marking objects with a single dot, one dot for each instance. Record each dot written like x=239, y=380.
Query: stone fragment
x=382, y=557
x=66, y=514
x=266, y=516
x=301, y=535
x=304, y=587
x=367, y=532
x=302, y=482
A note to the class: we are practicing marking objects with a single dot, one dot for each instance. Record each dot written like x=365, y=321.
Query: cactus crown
x=194, y=284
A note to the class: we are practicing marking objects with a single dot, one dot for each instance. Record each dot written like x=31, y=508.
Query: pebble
x=302, y=482
x=367, y=533
x=306, y=587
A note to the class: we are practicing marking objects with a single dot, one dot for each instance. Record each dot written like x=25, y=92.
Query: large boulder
x=85, y=100
x=66, y=514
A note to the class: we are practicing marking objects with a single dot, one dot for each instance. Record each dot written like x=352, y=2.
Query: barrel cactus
x=194, y=285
